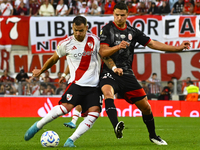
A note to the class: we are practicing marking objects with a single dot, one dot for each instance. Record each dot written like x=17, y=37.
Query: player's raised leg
x=55, y=112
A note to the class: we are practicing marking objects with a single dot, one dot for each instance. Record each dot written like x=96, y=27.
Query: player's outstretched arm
x=48, y=64
x=164, y=47
x=111, y=65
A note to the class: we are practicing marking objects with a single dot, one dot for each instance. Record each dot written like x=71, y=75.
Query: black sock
x=149, y=121
x=111, y=111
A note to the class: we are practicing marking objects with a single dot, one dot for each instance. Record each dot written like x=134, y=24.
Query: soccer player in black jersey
x=118, y=40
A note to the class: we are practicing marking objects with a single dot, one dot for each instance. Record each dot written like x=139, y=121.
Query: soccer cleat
x=157, y=140
x=119, y=129
x=31, y=132
x=70, y=124
x=69, y=143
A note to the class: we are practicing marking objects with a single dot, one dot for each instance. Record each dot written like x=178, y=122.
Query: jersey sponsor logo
x=85, y=53
x=74, y=47
x=69, y=97
x=123, y=36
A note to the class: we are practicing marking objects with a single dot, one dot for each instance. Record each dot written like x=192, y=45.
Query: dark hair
x=190, y=82
x=170, y=82
x=143, y=81
x=121, y=6
x=78, y=20
x=22, y=71
x=154, y=74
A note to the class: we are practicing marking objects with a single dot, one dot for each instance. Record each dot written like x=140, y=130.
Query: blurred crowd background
x=23, y=84
x=96, y=7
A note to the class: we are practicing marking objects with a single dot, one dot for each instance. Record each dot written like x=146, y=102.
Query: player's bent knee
x=146, y=110
x=108, y=91
x=144, y=106
x=68, y=106
x=94, y=109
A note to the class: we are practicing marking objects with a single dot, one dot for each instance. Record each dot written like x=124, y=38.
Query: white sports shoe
x=119, y=129
x=157, y=140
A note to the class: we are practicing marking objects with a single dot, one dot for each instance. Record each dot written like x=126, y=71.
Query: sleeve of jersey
x=142, y=38
x=61, y=50
x=104, y=36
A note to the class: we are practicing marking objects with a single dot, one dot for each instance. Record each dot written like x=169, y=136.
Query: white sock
x=55, y=112
x=76, y=115
x=85, y=125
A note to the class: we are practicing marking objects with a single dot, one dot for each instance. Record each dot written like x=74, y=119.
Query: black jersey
x=112, y=36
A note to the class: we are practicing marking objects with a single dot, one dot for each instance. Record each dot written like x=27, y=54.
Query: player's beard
x=79, y=38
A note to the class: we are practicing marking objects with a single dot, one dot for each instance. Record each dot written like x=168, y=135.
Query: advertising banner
x=47, y=32
x=40, y=106
x=14, y=30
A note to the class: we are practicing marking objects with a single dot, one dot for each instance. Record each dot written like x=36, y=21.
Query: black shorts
x=84, y=96
x=126, y=85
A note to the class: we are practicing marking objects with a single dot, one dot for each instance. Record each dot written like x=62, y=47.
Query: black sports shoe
x=157, y=140
x=119, y=129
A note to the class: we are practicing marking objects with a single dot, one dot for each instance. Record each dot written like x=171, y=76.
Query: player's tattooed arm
x=109, y=62
x=111, y=65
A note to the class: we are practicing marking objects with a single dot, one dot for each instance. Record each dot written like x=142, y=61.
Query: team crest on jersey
x=90, y=44
x=130, y=36
x=58, y=47
x=69, y=97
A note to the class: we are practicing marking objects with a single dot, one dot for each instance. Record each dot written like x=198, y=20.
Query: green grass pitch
x=180, y=134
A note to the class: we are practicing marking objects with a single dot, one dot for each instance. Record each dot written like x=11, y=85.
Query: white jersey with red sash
x=35, y=90
x=61, y=9
x=83, y=59
x=6, y=9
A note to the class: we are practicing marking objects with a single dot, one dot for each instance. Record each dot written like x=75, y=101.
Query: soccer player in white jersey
x=6, y=8
x=81, y=50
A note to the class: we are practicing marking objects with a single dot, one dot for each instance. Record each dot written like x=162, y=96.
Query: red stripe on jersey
x=67, y=39
x=67, y=87
x=5, y=9
x=64, y=93
x=93, y=35
x=147, y=42
x=85, y=60
x=119, y=27
x=105, y=44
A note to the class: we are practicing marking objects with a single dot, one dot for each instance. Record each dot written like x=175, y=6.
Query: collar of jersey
x=118, y=27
